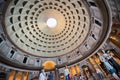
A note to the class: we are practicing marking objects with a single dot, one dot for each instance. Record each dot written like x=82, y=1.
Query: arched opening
x=48, y=65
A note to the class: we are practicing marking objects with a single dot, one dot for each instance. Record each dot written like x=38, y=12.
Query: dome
x=28, y=26
x=65, y=32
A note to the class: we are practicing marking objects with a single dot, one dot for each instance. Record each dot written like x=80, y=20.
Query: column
x=25, y=76
x=22, y=75
x=12, y=75
x=56, y=71
x=77, y=69
x=18, y=76
x=81, y=71
x=15, y=75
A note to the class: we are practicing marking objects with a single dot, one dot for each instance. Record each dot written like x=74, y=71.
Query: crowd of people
x=44, y=76
x=111, y=65
x=68, y=75
x=108, y=61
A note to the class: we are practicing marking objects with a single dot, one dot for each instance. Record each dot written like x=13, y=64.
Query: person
x=75, y=77
x=51, y=76
x=82, y=77
x=107, y=65
x=66, y=72
x=42, y=75
x=99, y=72
x=70, y=76
x=112, y=62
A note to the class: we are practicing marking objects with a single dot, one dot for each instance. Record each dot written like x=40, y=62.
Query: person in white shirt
x=42, y=75
x=66, y=72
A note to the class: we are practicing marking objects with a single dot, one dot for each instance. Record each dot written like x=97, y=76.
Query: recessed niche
x=92, y=4
x=12, y=10
x=74, y=5
x=1, y=40
x=79, y=3
x=20, y=10
x=98, y=22
x=25, y=59
x=24, y=3
x=16, y=1
x=13, y=29
x=11, y=19
x=83, y=11
x=17, y=35
x=30, y=6
x=36, y=2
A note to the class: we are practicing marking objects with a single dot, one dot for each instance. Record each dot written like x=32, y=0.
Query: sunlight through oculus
x=51, y=23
